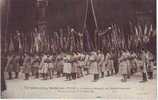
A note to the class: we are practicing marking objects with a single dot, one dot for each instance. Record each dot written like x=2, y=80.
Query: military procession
x=74, y=65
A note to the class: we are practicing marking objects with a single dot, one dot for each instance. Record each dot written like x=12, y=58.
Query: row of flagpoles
x=37, y=42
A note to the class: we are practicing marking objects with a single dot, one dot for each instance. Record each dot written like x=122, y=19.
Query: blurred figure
x=109, y=64
x=123, y=65
x=9, y=66
x=94, y=67
x=27, y=66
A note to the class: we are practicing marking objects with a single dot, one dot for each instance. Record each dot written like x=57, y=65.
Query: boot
x=37, y=75
x=102, y=74
x=67, y=76
x=108, y=74
x=150, y=75
x=94, y=77
x=10, y=75
x=26, y=76
x=124, y=78
x=144, y=77
x=112, y=72
x=97, y=76
x=16, y=75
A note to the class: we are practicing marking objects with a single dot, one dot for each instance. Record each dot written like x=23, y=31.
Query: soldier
x=74, y=66
x=67, y=67
x=87, y=66
x=51, y=64
x=9, y=66
x=81, y=63
x=150, y=67
x=94, y=68
x=145, y=59
x=27, y=66
x=109, y=64
x=100, y=60
x=59, y=65
x=3, y=82
x=133, y=62
x=35, y=66
x=123, y=66
x=128, y=64
x=45, y=67
x=16, y=65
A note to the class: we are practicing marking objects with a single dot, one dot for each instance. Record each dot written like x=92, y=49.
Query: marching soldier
x=94, y=68
x=87, y=64
x=133, y=62
x=109, y=64
x=145, y=59
x=9, y=66
x=35, y=66
x=81, y=64
x=150, y=67
x=27, y=66
x=44, y=67
x=59, y=65
x=123, y=66
x=128, y=64
x=16, y=65
x=67, y=67
x=74, y=66
x=51, y=64
x=101, y=63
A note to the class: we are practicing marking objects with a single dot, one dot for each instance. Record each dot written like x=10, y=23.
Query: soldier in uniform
x=35, y=66
x=74, y=66
x=128, y=63
x=81, y=64
x=45, y=67
x=145, y=59
x=100, y=60
x=109, y=64
x=27, y=66
x=3, y=82
x=9, y=66
x=67, y=67
x=150, y=67
x=51, y=64
x=123, y=66
x=133, y=62
x=93, y=66
x=16, y=65
x=59, y=65
x=87, y=66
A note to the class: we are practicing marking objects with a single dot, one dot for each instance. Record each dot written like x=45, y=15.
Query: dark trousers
x=16, y=74
x=144, y=76
x=96, y=77
x=102, y=74
x=37, y=75
x=150, y=74
x=73, y=75
x=26, y=76
x=108, y=73
x=68, y=76
x=10, y=75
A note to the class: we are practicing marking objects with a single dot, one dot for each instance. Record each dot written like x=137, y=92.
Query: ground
x=107, y=87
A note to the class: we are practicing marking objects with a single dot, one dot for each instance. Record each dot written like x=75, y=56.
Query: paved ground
x=108, y=87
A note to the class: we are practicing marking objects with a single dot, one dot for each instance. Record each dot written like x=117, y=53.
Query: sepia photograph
x=78, y=49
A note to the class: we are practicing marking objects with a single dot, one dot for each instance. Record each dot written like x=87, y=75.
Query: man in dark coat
x=3, y=64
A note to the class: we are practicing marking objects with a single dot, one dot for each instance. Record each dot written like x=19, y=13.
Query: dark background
x=60, y=13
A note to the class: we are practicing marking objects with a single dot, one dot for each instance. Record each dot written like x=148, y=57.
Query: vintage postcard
x=78, y=49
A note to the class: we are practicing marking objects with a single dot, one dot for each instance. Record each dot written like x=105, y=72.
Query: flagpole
x=94, y=15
